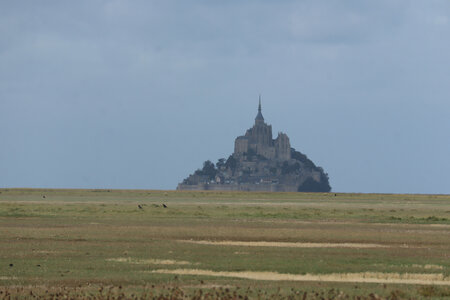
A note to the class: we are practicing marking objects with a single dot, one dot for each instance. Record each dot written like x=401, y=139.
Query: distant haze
x=137, y=94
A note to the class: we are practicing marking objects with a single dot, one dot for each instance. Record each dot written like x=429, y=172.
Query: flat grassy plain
x=92, y=243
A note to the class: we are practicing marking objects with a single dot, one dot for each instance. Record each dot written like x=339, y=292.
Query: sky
x=138, y=94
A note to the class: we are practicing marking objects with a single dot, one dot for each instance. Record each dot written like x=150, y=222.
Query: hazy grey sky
x=137, y=94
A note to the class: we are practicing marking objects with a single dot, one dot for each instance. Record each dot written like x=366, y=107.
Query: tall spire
x=259, y=107
x=259, y=117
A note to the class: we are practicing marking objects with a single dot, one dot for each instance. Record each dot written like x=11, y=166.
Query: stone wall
x=238, y=187
x=240, y=145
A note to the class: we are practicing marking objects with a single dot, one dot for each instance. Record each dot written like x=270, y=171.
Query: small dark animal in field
x=140, y=206
x=335, y=195
x=11, y=265
x=43, y=196
x=165, y=206
x=38, y=265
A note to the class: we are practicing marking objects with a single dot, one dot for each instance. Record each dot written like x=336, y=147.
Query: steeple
x=259, y=117
x=259, y=107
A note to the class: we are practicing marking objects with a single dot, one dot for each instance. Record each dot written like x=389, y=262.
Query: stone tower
x=282, y=147
x=258, y=139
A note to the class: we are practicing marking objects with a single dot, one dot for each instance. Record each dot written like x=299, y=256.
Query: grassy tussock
x=224, y=293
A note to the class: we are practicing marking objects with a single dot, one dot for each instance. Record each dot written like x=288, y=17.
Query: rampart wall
x=252, y=187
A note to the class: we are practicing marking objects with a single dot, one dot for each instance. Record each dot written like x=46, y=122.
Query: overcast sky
x=137, y=94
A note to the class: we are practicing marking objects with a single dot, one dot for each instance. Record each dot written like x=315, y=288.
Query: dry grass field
x=207, y=245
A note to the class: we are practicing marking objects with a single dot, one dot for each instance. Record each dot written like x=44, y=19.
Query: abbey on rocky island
x=260, y=163
x=259, y=140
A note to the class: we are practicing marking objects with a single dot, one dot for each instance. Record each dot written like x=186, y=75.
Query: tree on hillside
x=303, y=159
x=208, y=170
x=310, y=185
x=286, y=168
x=231, y=163
x=220, y=163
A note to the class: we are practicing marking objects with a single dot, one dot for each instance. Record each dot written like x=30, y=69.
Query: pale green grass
x=81, y=237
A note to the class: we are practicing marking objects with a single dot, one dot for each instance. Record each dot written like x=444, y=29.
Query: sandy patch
x=438, y=225
x=287, y=244
x=368, y=277
x=208, y=286
x=149, y=261
x=7, y=278
x=45, y=251
x=426, y=267
x=429, y=267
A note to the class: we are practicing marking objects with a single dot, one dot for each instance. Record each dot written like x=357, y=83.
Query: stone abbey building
x=259, y=140
x=260, y=163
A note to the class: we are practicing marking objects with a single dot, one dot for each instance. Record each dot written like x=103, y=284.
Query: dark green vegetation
x=77, y=241
x=209, y=169
x=265, y=171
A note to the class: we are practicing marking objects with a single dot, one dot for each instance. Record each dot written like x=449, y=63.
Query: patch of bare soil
x=367, y=277
x=287, y=244
x=429, y=267
x=45, y=251
x=149, y=261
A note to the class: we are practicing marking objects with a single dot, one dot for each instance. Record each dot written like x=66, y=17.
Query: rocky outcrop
x=260, y=163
